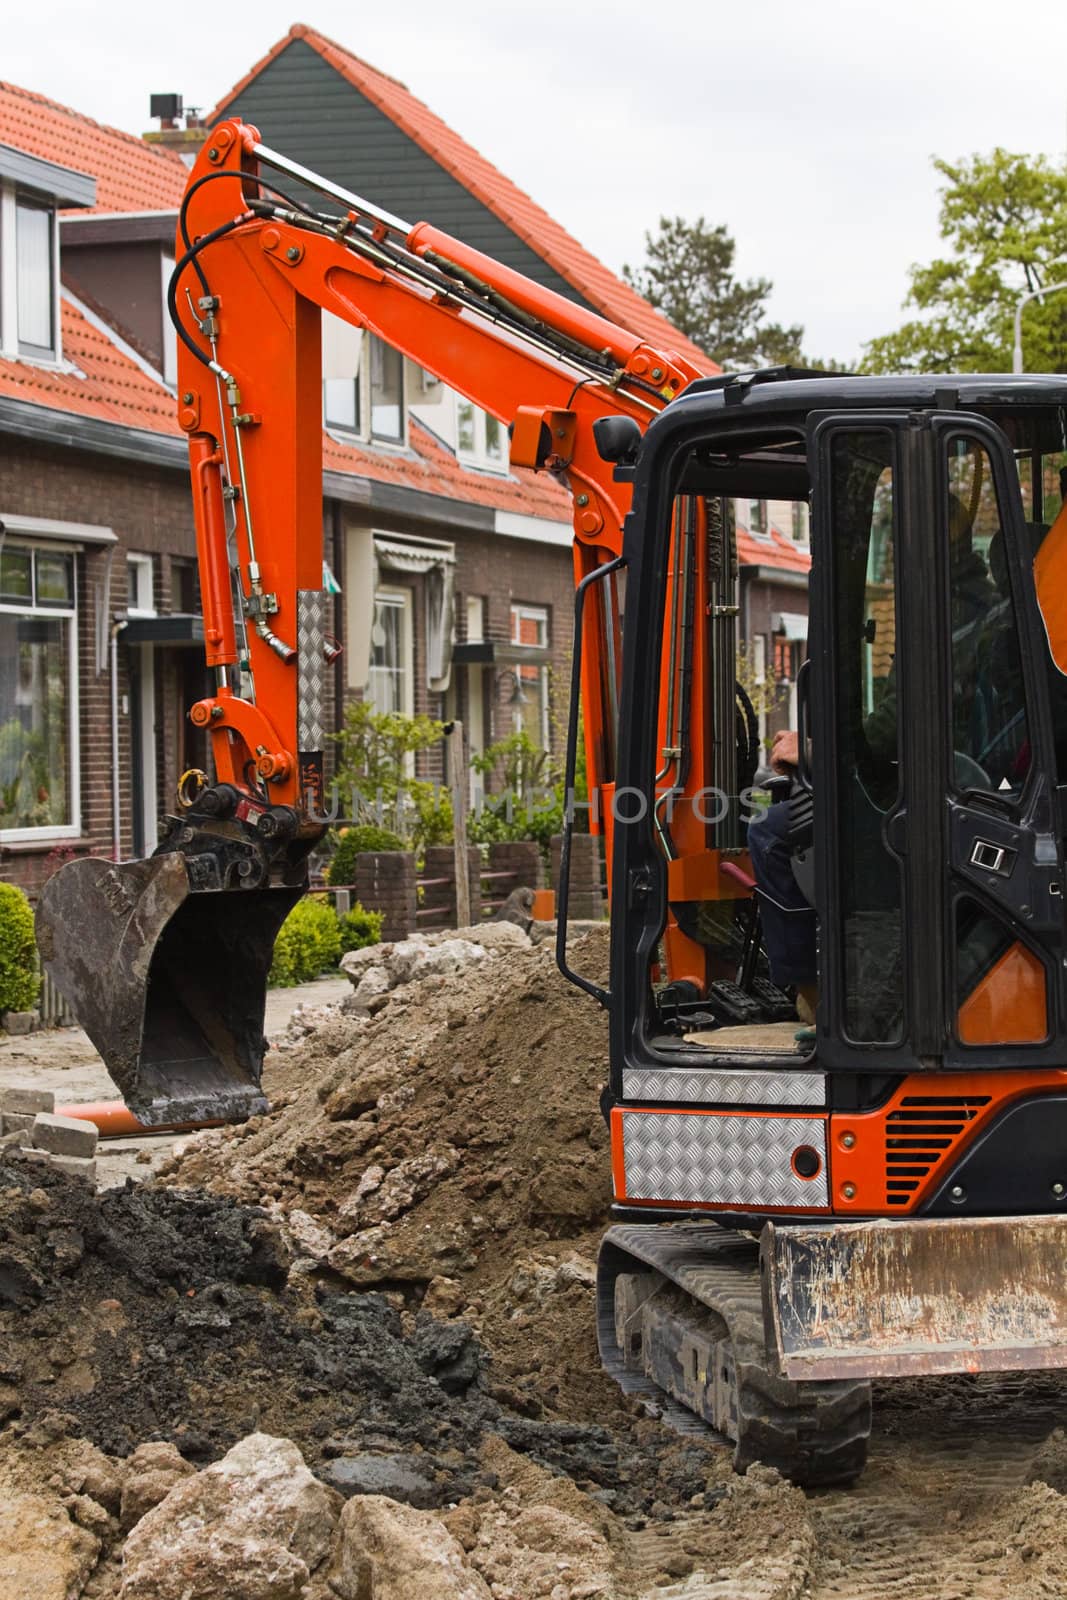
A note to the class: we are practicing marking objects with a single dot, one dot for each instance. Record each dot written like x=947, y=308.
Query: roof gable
x=526, y=237
x=130, y=175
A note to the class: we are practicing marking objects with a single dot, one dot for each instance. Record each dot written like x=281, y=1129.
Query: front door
x=938, y=861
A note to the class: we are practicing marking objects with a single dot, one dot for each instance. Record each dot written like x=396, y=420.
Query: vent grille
x=920, y=1134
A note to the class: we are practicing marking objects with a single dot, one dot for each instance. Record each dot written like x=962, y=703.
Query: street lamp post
x=1035, y=294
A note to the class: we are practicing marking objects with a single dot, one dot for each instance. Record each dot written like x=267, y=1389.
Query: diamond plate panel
x=721, y=1159
x=729, y=1086
x=311, y=668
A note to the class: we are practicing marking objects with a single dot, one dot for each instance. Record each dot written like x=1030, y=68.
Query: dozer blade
x=169, y=984
x=888, y=1298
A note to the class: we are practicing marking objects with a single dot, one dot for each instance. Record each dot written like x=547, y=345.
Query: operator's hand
x=785, y=751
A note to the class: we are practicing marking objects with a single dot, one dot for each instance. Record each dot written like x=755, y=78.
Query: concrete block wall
x=440, y=862
x=586, y=899
x=385, y=882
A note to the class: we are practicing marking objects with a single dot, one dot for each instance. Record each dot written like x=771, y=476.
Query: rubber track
x=814, y=1433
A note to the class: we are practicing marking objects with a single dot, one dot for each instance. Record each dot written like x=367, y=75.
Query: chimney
x=171, y=133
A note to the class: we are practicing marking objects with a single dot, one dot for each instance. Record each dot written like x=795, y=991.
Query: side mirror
x=617, y=439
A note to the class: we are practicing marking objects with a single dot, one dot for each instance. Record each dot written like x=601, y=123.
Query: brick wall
x=150, y=512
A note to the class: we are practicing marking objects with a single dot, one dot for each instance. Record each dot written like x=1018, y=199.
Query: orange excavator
x=796, y=1214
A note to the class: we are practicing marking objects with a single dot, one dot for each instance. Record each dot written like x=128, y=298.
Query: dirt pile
x=153, y=1315
x=450, y=1147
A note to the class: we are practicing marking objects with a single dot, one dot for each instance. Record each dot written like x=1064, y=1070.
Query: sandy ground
x=64, y=1059
x=441, y=1170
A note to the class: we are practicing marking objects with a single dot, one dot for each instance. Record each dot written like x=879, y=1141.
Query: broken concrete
x=254, y=1526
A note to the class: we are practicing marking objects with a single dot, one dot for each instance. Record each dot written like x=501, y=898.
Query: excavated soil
x=394, y=1269
x=454, y=1148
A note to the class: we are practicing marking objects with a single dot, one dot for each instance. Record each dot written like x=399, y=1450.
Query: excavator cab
x=893, y=1183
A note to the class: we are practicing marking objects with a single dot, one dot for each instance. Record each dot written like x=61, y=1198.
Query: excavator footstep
x=169, y=984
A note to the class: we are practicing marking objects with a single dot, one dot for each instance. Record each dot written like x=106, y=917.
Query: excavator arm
x=547, y=368
x=172, y=986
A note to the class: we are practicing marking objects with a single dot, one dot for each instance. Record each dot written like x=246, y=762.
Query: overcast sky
x=807, y=128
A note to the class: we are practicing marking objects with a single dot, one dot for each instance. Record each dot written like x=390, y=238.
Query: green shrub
x=360, y=928
x=19, y=983
x=308, y=942
x=431, y=819
x=353, y=842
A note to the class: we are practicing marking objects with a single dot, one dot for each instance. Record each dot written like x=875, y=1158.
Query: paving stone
x=15, y=1098
x=76, y=1166
x=18, y=1138
x=19, y=1022
x=17, y=1121
x=64, y=1136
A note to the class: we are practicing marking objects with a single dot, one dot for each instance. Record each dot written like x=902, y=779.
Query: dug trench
x=393, y=1271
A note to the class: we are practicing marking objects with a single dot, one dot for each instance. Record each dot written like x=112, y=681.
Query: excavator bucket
x=169, y=983
x=935, y=1295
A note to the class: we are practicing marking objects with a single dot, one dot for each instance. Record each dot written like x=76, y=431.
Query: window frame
x=145, y=565
x=168, y=333
x=69, y=616
x=523, y=611
x=403, y=599
x=399, y=439
x=28, y=200
x=477, y=456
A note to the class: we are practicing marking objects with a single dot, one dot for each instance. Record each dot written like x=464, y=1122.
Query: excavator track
x=680, y=1324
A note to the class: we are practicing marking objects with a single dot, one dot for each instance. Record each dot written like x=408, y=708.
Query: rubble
x=370, y=1314
x=253, y=1526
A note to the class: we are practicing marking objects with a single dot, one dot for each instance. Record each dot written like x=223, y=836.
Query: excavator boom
x=172, y=987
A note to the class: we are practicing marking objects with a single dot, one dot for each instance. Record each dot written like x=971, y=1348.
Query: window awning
x=413, y=555
x=15, y=525
x=792, y=623
x=173, y=628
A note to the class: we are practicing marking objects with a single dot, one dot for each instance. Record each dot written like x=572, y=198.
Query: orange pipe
x=115, y=1120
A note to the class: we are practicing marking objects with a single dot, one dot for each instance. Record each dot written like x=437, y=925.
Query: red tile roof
x=599, y=286
x=107, y=385
x=111, y=387
x=130, y=175
x=771, y=550
x=432, y=468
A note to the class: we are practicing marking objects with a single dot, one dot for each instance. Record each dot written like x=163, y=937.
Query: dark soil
x=150, y=1314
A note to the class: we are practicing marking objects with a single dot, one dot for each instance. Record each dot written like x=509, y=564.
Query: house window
x=800, y=521
x=386, y=392
x=757, y=516
x=140, y=596
x=35, y=276
x=342, y=398
x=391, y=683
x=480, y=439
x=169, y=337
x=529, y=626
x=38, y=693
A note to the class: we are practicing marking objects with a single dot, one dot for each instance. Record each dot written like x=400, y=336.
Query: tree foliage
x=689, y=275
x=1005, y=218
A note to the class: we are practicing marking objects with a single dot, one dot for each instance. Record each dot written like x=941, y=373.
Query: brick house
x=100, y=632
x=97, y=543
x=454, y=571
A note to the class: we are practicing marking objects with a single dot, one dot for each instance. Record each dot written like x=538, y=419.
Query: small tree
x=1004, y=218
x=689, y=275
x=377, y=750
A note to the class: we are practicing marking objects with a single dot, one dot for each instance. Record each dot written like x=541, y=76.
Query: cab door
x=938, y=865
